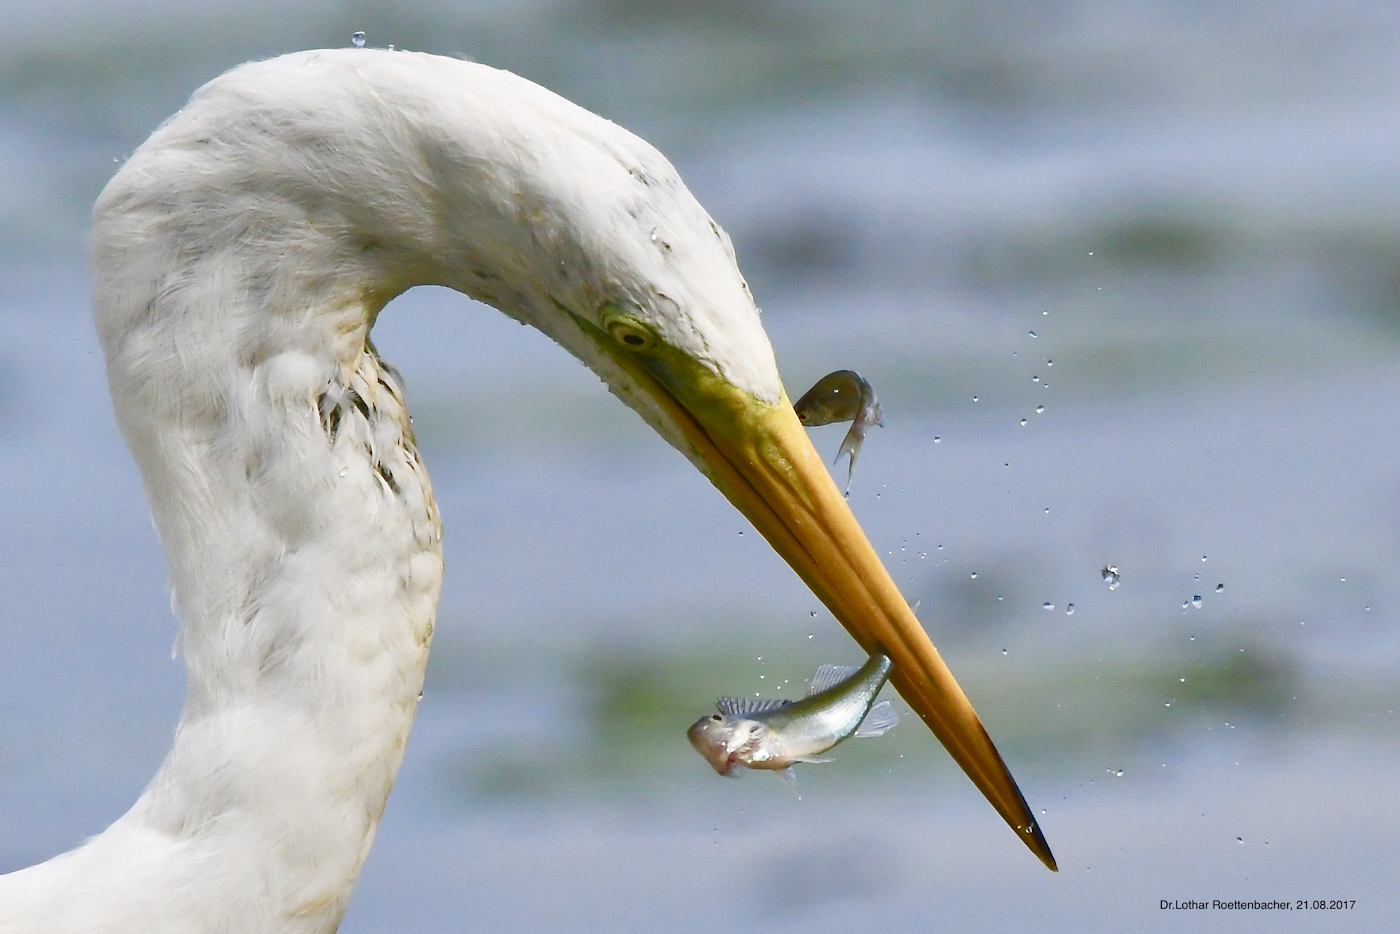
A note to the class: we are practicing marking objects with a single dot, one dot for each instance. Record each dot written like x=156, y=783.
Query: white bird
x=239, y=260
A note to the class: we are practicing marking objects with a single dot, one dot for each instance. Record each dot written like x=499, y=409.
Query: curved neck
x=239, y=260
x=279, y=461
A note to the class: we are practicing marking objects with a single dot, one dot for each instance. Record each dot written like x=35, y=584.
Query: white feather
x=240, y=257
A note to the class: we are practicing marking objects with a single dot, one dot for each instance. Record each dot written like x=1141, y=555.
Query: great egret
x=239, y=259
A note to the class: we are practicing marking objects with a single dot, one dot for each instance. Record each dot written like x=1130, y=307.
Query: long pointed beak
x=760, y=458
x=767, y=467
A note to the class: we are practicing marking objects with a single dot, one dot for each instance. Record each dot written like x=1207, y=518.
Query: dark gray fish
x=843, y=396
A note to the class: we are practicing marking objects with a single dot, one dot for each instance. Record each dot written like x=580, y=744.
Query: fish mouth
x=759, y=456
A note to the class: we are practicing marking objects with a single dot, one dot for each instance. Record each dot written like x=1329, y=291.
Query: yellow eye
x=628, y=332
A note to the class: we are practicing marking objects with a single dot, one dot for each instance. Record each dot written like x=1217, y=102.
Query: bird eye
x=627, y=331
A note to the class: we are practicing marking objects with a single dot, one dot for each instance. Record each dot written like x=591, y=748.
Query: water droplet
x=1048, y=606
x=1047, y=510
x=1196, y=601
x=1039, y=409
x=1023, y=423
x=974, y=575
x=1035, y=379
x=813, y=614
x=1003, y=651
x=974, y=398
x=1032, y=334
x=1203, y=558
x=1239, y=840
x=1109, y=572
x=344, y=471
x=1069, y=610
x=810, y=635
x=1119, y=773
x=1049, y=362
x=357, y=39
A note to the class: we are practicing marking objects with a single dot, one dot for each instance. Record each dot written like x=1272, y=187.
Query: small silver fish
x=775, y=734
x=843, y=396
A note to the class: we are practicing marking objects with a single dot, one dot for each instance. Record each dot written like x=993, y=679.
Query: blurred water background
x=1125, y=276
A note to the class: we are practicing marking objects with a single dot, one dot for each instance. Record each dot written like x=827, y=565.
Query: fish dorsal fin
x=879, y=721
x=828, y=676
x=743, y=706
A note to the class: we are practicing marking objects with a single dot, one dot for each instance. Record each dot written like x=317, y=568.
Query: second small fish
x=843, y=396
x=775, y=734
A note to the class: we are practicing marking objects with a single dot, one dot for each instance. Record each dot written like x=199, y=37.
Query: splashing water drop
x=357, y=39
x=1109, y=572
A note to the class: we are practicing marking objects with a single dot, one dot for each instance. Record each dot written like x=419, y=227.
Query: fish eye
x=626, y=330
x=716, y=717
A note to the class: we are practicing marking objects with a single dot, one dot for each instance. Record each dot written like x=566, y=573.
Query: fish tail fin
x=849, y=445
x=879, y=721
